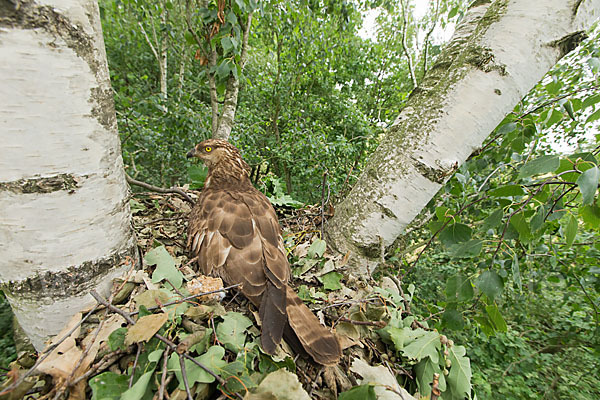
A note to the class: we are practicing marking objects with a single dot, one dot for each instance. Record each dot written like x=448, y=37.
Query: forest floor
x=160, y=319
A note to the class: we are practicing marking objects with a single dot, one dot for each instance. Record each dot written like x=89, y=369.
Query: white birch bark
x=499, y=52
x=64, y=214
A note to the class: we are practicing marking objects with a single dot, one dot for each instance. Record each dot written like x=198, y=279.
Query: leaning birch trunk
x=498, y=53
x=64, y=216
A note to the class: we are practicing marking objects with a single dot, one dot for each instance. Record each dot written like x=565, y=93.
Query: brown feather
x=234, y=232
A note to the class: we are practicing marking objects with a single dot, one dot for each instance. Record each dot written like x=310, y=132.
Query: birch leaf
x=145, y=328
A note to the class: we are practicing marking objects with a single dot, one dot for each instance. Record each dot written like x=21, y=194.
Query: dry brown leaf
x=145, y=328
x=62, y=360
x=151, y=298
x=386, y=385
x=302, y=249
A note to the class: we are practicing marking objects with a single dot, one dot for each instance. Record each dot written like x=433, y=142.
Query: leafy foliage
x=516, y=227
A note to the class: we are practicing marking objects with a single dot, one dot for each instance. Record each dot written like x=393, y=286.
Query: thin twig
x=463, y=208
x=137, y=356
x=174, y=288
x=323, y=204
x=101, y=365
x=163, y=378
x=185, y=379
x=411, y=68
x=379, y=324
x=157, y=189
x=527, y=201
x=183, y=300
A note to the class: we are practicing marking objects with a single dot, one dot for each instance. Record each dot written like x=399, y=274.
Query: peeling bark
x=499, y=51
x=64, y=212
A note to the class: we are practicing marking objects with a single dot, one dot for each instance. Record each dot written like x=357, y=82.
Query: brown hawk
x=234, y=233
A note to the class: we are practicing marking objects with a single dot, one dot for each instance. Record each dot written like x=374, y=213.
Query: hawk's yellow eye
x=207, y=149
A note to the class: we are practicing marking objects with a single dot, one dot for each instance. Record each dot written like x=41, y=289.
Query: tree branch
x=426, y=44
x=411, y=68
x=157, y=189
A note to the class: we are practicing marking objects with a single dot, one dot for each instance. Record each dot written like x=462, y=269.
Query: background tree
x=498, y=53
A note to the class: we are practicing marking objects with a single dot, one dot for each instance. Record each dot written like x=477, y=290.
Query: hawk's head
x=214, y=151
x=221, y=157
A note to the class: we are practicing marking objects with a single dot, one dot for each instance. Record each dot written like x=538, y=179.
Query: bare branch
x=157, y=189
x=411, y=67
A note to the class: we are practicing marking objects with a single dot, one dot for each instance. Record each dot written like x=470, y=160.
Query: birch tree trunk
x=227, y=117
x=499, y=51
x=64, y=215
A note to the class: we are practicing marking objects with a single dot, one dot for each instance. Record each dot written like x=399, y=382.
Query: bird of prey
x=234, y=233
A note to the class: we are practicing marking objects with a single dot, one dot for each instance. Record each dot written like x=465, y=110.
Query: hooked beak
x=191, y=153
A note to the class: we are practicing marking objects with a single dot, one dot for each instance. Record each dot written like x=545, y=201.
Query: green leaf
x=226, y=44
x=331, y=280
x=362, y=392
x=490, y=284
x=469, y=249
x=571, y=231
x=155, y=355
x=590, y=101
x=165, y=266
x=496, y=318
x=455, y=234
x=493, y=220
x=569, y=109
x=453, y=319
x=507, y=128
x=189, y=38
x=223, y=69
x=317, y=248
x=453, y=12
x=108, y=386
x=594, y=63
x=590, y=216
x=137, y=391
x=519, y=222
x=485, y=325
x=442, y=213
x=242, y=380
x=588, y=184
x=555, y=117
x=594, y=117
x=459, y=288
x=425, y=345
x=507, y=191
x=393, y=335
x=231, y=332
x=213, y=359
x=538, y=218
x=459, y=378
x=541, y=165
x=116, y=340
x=424, y=373
x=516, y=271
